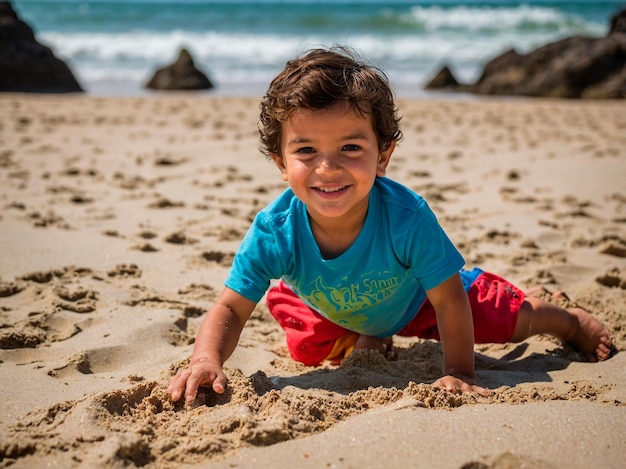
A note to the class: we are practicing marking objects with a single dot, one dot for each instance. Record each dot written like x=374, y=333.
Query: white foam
x=462, y=37
x=498, y=19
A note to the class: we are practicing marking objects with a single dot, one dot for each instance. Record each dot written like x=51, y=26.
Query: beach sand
x=119, y=220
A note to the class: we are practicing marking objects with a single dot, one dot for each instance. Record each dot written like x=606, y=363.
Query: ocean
x=114, y=47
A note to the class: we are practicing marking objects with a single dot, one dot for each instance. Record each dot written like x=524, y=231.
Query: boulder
x=25, y=64
x=508, y=67
x=442, y=80
x=574, y=67
x=613, y=87
x=181, y=75
x=562, y=69
x=618, y=23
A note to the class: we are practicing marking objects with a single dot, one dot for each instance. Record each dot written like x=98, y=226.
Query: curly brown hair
x=321, y=78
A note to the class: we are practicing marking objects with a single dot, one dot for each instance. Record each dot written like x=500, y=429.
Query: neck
x=334, y=237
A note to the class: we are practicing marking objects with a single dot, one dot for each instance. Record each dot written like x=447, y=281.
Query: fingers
x=471, y=386
x=186, y=382
x=456, y=385
x=217, y=380
x=482, y=391
x=191, y=389
x=219, y=385
x=177, y=385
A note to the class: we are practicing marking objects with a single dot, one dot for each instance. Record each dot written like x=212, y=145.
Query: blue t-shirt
x=376, y=286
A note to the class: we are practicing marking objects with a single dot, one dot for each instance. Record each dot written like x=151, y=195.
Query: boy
x=360, y=257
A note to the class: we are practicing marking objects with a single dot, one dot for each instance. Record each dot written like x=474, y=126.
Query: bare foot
x=374, y=343
x=589, y=336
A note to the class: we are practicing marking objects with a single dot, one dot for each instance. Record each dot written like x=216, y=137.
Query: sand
x=119, y=219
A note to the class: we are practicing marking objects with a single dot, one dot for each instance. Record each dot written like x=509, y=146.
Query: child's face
x=330, y=160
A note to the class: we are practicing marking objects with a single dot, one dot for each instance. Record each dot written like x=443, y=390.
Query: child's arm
x=216, y=340
x=456, y=329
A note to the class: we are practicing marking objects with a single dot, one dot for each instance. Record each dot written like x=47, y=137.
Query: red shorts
x=311, y=338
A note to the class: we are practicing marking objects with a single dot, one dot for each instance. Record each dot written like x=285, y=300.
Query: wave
x=148, y=46
x=522, y=17
x=253, y=57
x=135, y=55
x=410, y=43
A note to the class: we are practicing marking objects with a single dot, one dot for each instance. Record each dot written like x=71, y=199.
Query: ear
x=278, y=160
x=383, y=159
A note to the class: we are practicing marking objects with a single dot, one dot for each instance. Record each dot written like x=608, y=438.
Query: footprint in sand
x=99, y=360
x=222, y=258
x=198, y=291
x=508, y=461
x=146, y=247
x=37, y=329
x=11, y=288
x=164, y=203
x=77, y=300
x=611, y=245
x=179, y=335
x=180, y=237
x=499, y=237
x=614, y=248
x=613, y=278
x=67, y=273
x=125, y=271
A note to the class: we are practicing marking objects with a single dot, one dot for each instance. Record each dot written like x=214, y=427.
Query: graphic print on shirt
x=347, y=304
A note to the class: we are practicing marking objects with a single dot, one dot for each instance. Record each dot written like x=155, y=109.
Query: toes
x=606, y=341
x=603, y=351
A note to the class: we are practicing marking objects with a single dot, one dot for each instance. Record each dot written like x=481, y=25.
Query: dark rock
x=613, y=87
x=25, y=64
x=562, y=69
x=618, y=23
x=181, y=75
x=443, y=79
x=509, y=66
x=574, y=67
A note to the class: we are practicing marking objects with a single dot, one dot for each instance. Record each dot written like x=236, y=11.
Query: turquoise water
x=114, y=46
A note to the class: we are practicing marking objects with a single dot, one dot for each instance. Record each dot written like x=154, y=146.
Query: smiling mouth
x=330, y=189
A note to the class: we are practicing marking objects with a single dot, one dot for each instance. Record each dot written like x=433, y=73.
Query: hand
x=202, y=372
x=462, y=383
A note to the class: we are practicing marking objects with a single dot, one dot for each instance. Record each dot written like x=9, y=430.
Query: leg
x=311, y=338
x=575, y=327
x=495, y=305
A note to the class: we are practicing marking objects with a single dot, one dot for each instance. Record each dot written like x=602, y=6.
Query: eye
x=305, y=150
x=351, y=147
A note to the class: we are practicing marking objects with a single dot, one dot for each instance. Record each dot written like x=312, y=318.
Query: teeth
x=331, y=189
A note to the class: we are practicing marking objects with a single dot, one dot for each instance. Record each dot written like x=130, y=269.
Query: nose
x=329, y=164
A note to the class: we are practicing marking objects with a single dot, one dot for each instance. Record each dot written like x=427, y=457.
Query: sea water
x=114, y=47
